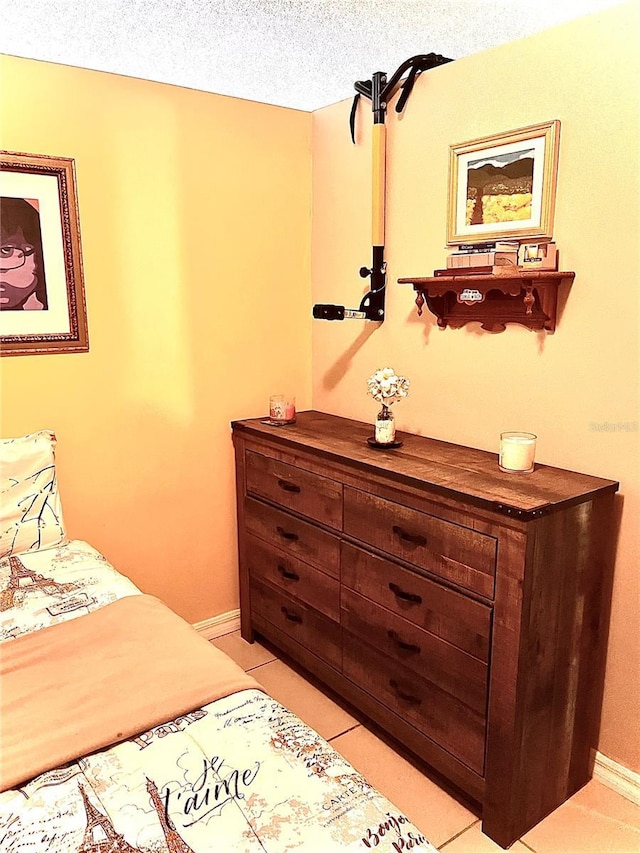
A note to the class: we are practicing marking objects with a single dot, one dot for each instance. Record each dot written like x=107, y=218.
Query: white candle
x=517, y=451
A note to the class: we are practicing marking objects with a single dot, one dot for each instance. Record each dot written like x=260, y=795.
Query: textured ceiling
x=303, y=54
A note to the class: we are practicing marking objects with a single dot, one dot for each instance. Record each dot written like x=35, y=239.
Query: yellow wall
x=195, y=213
x=468, y=385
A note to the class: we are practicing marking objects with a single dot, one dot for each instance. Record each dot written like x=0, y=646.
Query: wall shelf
x=529, y=298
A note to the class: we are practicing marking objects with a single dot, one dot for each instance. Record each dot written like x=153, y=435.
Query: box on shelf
x=542, y=256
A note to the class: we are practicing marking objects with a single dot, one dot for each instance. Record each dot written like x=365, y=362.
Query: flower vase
x=385, y=426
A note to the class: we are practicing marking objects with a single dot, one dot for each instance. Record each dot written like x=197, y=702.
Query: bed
x=114, y=743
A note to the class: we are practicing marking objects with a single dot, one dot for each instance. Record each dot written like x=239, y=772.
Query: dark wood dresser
x=457, y=606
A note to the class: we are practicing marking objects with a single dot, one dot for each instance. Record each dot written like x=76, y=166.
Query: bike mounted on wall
x=379, y=91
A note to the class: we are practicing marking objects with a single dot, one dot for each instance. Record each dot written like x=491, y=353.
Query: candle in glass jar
x=517, y=451
x=282, y=409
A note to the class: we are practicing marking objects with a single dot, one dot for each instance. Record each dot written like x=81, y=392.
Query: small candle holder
x=517, y=452
x=282, y=409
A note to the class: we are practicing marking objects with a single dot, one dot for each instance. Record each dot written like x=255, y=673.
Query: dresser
x=460, y=608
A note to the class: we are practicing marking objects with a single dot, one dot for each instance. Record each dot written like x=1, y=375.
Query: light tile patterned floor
x=595, y=820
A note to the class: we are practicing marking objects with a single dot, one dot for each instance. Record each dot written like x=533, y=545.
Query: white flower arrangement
x=387, y=387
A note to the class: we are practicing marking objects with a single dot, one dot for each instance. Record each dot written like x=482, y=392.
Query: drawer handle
x=405, y=596
x=406, y=647
x=291, y=617
x=290, y=576
x=406, y=697
x=288, y=487
x=411, y=538
x=292, y=537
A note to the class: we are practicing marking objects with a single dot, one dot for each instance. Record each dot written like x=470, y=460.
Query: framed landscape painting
x=504, y=186
x=42, y=303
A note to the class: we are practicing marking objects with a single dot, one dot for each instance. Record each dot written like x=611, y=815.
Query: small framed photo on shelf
x=504, y=186
x=42, y=301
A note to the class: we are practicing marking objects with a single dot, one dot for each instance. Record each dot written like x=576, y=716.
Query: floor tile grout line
x=345, y=732
x=443, y=844
x=260, y=665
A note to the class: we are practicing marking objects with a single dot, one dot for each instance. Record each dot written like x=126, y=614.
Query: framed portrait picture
x=504, y=186
x=42, y=302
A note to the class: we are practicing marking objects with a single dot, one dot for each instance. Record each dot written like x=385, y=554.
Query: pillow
x=30, y=508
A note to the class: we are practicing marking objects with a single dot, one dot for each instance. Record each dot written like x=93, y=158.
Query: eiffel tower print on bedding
x=238, y=774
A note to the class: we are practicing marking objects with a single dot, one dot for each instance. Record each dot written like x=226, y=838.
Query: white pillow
x=30, y=507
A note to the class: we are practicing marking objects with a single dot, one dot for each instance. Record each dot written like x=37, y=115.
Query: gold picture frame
x=42, y=301
x=504, y=186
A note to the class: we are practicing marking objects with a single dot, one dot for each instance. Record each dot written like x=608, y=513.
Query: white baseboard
x=225, y=623
x=617, y=777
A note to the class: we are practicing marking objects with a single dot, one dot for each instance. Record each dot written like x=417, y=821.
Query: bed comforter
x=235, y=775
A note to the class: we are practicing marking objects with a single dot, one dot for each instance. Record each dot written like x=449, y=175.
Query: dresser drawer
x=443, y=718
x=446, y=614
x=300, y=622
x=294, y=488
x=294, y=536
x=454, y=671
x=300, y=580
x=460, y=554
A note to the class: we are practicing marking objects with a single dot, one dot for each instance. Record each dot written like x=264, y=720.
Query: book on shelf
x=488, y=269
x=453, y=272
x=490, y=246
x=482, y=259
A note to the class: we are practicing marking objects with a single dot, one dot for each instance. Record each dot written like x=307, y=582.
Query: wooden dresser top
x=462, y=473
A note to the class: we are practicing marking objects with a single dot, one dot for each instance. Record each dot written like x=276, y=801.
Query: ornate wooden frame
x=501, y=153
x=61, y=327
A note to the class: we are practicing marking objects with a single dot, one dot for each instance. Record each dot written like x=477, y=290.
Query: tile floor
x=595, y=820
